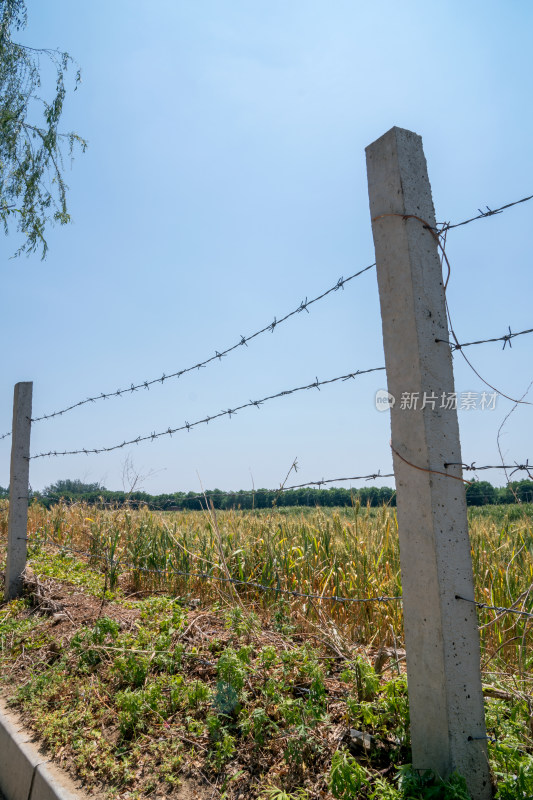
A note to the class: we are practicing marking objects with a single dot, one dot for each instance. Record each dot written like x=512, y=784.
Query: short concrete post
x=441, y=633
x=18, y=490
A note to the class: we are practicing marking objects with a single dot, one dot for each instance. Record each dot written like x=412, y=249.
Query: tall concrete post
x=441, y=633
x=18, y=490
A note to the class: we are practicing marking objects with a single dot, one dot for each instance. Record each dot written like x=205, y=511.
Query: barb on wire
x=506, y=339
x=323, y=482
x=483, y=214
x=441, y=241
x=188, y=425
x=283, y=488
x=219, y=355
x=5, y=435
x=235, y=496
x=498, y=609
x=224, y=579
x=516, y=467
x=440, y=237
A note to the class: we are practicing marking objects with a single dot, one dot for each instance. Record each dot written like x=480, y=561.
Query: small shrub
x=259, y=725
x=346, y=777
x=361, y=673
x=231, y=676
x=273, y=793
x=197, y=693
x=135, y=706
x=223, y=751
x=416, y=785
x=133, y=669
x=89, y=643
x=268, y=656
x=241, y=622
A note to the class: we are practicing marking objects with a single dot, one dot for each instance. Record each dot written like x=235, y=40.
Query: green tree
x=517, y=491
x=32, y=190
x=73, y=487
x=480, y=493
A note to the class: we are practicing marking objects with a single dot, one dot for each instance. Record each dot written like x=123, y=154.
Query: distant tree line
x=478, y=493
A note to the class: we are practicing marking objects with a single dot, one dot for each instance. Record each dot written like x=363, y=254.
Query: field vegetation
x=159, y=651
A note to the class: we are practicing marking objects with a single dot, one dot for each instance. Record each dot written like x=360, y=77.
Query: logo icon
x=384, y=400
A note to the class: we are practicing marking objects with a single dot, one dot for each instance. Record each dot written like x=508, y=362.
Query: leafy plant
x=231, y=676
x=197, y=693
x=361, y=673
x=135, y=706
x=273, y=793
x=346, y=777
x=223, y=750
x=89, y=643
x=282, y=617
x=517, y=785
x=133, y=668
x=268, y=656
x=165, y=656
x=425, y=785
x=240, y=622
x=259, y=725
x=33, y=189
x=301, y=719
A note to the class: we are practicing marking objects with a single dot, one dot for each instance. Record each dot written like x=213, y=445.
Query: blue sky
x=224, y=182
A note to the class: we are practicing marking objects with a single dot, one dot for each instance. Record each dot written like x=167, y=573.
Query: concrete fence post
x=441, y=633
x=18, y=490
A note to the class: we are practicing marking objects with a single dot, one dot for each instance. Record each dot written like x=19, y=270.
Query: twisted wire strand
x=516, y=467
x=506, y=339
x=498, y=609
x=484, y=214
x=114, y=563
x=219, y=355
x=187, y=426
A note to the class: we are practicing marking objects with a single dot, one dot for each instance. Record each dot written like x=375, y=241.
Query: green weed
x=347, y=777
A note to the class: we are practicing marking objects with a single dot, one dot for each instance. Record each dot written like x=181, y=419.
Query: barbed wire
x=187, y=426
x=371, y=477
x=516, y=467
x=219, y=355
x=506, y=339
x=232, y=496
x=499, y=609
x=441, y=242
x=441, y=230
x=323, y=482
x=447, y=226
x=117, y=563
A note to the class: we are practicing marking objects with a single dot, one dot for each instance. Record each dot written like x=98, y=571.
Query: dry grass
x=351, y=553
